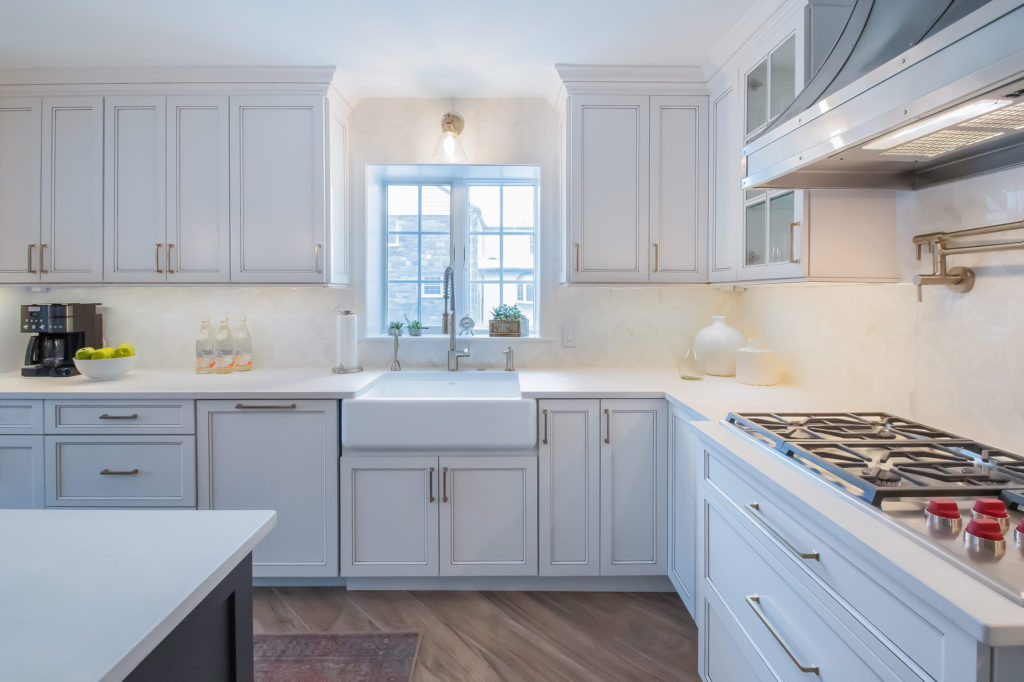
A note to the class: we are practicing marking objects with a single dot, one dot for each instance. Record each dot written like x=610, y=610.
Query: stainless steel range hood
x=877, y=114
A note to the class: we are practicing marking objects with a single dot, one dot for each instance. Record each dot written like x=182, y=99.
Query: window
x=418, y=233
x=485, y=225
x=502, y=252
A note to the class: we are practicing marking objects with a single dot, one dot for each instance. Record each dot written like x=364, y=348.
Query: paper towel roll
x=347, y=355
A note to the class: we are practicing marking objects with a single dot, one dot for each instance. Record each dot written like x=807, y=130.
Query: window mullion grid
x=501, y=244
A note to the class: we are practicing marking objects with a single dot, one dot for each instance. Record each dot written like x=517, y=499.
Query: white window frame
x=459, y=243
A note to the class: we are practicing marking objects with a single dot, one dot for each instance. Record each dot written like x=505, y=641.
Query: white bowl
x=106, y=370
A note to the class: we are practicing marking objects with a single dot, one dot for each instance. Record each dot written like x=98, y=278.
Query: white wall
x=294, y=326
x=954, y=360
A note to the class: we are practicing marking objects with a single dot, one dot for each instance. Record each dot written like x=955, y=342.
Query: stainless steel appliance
x=59, y=329
x=913, y=93
x=957, y=497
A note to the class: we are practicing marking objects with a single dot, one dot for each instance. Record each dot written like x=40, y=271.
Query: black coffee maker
x=59, y=330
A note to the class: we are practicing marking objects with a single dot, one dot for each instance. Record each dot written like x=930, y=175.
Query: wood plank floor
x=483, y=636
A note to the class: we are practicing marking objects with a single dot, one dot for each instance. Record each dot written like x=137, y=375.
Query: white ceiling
x=387, y=48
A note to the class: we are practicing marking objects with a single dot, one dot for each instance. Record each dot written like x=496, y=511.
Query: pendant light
x=449, y=149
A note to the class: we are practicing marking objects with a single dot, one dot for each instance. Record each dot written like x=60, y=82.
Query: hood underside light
x=937, y=135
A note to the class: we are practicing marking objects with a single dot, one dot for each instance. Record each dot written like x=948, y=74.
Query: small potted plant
x=416, y=328
x=505, y=320
x=395, y=328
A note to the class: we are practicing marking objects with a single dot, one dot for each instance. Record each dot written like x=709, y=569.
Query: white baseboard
x=629, y=583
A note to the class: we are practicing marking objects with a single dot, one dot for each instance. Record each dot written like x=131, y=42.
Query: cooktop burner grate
x=884, y=456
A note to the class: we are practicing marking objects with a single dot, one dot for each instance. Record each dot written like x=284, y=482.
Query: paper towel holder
x=342, y=369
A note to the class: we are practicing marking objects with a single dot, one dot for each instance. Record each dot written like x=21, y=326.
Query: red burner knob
x=990, y=506
x=945, y=508
x=986, y=529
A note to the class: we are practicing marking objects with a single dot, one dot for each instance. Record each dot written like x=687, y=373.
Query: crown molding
x=296, y=75
x=760, y=18
x=640, y=80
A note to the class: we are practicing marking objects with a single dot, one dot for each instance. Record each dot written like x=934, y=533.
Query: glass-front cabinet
x=773, y=220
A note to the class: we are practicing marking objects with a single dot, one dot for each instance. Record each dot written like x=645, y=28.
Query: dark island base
x=213, y=643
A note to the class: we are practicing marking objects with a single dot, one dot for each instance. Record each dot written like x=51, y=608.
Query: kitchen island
x=127, y=594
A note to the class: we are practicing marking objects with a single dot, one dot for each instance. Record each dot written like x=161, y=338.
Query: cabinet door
x=72, y=190
x=135, y=218
x=20, y=143
x=772, y=232
x=726, y=203
x=633, y=487
x=198, y=226
x=488, y=515
x=682, y=511
x=389, y=516
x=678, y=213
x=338, y=200
x=609, y=188
x=280, y=455
x=569, y=487
x=277, y=189
x=21, y=472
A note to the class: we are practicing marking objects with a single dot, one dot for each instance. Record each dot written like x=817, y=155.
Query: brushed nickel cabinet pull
x=655, y=256
x=432, y=498
x=792, y=226
x=544, y=440
x=608, y=427
x=577, y=256
x=444, y=484
x=30, y=268
x=170, y=270
x=316, y=257
x=119, y=416
x=241, y=406
x=108, y=472
x=754, y=602
x=42, y=259
x=778, y=536
x=158, y=259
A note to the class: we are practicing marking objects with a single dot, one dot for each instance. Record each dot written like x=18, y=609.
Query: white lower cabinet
x=682, y=510
x=426, y=516
x=488, y=516
x=120, y=471
x=603, y=487
x=280, y=455
x=21, y=472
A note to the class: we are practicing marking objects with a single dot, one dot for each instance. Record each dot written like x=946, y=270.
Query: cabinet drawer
x=128, y=471
x=726, y=652
x=21, y=416
x=121, y=416
x=779, y=523
x=792, y=629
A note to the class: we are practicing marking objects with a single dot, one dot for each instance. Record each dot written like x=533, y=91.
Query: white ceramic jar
x=716, y=346
x=756, y=365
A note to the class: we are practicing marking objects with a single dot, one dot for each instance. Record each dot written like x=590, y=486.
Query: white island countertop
x=88, y=594
x=711, y=398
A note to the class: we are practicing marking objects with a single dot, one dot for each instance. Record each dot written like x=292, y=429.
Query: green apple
x=102, y=354
x=123, y=351
x=84, y=353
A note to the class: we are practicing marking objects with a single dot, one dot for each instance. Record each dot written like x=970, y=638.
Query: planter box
x=505, y=328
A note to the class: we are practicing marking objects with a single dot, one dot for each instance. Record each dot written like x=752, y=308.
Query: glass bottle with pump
x=243, y=348
x=224, y=348
x=205, y=359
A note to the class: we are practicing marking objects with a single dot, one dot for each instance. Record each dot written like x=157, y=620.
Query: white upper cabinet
x=609, y=189
x=635, y=193
x=337, y=204
x=20, y=144
x=726, y=200
x=198, y=227
x=277, y=189
x=678, y=191
x=71, y=236
x=135, y=216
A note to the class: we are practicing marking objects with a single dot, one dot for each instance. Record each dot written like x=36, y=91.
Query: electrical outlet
x=568, y=336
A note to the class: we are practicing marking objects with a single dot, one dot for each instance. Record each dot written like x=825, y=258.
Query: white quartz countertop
x=975, y=608
x=711, y=397
x=88, y=594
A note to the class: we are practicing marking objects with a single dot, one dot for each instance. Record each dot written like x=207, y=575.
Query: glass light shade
x=449, y=149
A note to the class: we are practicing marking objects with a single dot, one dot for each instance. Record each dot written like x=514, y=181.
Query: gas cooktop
x=960, y=498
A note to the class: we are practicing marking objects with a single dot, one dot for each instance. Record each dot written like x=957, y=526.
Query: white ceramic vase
x=756, y=365
x=716, y=346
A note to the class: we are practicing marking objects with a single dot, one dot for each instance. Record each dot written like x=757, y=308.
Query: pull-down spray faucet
x=448, y=321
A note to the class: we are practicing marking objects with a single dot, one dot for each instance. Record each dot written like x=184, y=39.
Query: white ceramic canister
x=716, y=346
x=756, y=365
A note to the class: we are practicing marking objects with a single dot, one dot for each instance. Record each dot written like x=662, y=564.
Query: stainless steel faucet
x=448, y=321
x=510, y=359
